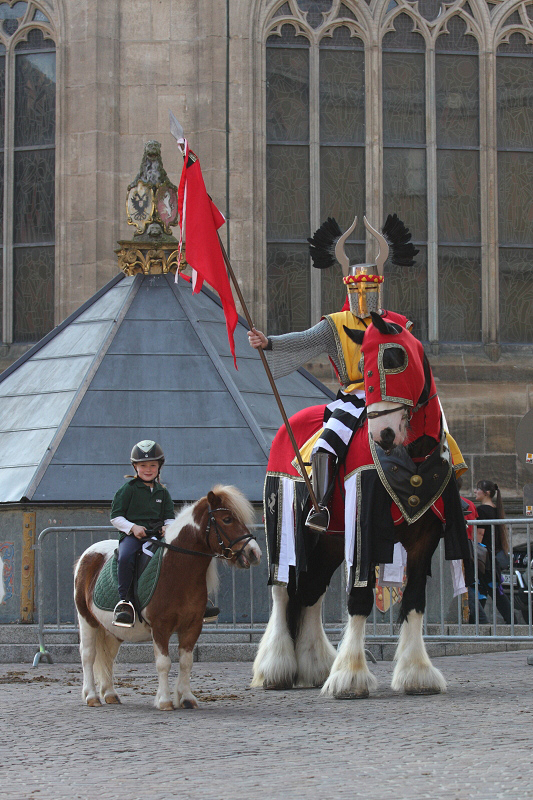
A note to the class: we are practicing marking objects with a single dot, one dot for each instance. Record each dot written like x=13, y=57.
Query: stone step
x=28, y=634
x=245, y=651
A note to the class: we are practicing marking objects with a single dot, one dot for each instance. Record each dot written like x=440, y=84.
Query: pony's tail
x=103, y=662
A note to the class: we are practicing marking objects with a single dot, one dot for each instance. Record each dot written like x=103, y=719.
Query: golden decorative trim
x=393, y=371
x=278, y=532
x=294, y=478
x=358, y=581
x=269, y=559
x=393, y=494
x=458, y=467
x=146, y=259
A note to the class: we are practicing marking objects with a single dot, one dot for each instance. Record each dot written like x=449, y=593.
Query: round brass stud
x=415, y=480
x=370, y=388
x=414, y=501
x=369, y=373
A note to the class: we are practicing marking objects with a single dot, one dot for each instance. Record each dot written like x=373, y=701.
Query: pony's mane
x=234, y=499
x=230, y=496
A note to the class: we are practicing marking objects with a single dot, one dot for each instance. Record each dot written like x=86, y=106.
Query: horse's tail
x=106, y=651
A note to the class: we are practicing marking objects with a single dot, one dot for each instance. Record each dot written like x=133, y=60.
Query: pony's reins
x=225, y=548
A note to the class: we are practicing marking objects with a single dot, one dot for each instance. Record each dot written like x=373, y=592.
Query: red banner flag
x=200, y=219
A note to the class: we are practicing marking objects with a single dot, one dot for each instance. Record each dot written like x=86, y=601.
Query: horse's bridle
x=376, y=414
x=226, y=549
x=227, y=552
x=410, y=411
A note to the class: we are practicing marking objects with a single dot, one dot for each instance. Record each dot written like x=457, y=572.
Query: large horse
x=395, y=487
x=213, y=527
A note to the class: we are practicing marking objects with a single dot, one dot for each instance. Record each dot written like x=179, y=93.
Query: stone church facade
x=298, y=110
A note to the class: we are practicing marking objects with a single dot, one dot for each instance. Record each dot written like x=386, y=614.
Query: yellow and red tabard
x=348, y=352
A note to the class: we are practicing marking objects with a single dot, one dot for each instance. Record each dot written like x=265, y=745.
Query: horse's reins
x=225, y=548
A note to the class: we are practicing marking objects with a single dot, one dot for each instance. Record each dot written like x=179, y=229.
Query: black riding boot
x=322, y=477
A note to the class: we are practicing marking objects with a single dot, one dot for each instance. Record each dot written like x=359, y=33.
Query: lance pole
x=271, y=380
x=177, y=131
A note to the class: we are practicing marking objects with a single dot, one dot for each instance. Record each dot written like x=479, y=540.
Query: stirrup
x=318, y=520
x=124, y=614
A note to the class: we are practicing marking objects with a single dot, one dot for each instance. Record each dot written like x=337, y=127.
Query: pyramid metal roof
x=142, y=359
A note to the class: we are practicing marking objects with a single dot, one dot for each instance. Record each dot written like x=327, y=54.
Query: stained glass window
x=337, y=91
x=2, y=117
x=315, y=10
x=288, y=181
x=406, y=290
x=404, y=162
x=458, y=191
x=433, y=130
x=33, y=292
x=12, y=16
x=27, y=171
x=342, y=148
x=514, y=80
x=34, y=187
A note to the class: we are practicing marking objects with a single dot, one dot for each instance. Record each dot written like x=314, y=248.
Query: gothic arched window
x=514, y=81
x=424, y=109
x=315, y=132
x=27, y=171
x=405, y=162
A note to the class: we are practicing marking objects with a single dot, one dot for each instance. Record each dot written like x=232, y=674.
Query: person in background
x=470, y=513
x=490, y=506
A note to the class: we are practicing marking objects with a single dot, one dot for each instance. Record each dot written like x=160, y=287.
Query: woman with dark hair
x=490, y=506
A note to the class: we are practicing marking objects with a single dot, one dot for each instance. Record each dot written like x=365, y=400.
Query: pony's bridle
x=227, y=551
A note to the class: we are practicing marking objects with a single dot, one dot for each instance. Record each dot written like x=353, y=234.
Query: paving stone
x=472, y=743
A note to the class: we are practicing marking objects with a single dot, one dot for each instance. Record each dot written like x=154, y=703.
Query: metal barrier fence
x=246, y=603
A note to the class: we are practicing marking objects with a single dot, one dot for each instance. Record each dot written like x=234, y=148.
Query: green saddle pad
x=106, y=590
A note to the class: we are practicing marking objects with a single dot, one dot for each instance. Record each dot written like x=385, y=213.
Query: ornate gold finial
x=152, y=207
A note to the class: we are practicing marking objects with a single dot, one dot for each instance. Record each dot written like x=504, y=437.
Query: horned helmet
x=363, y=281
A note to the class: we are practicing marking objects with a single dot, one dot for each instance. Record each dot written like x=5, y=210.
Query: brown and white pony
x=213, y=527
x=399, y=454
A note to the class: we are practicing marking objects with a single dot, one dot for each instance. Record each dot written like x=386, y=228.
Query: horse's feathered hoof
x=188, y=704
x=351, y=695
x=113, y=699
x=277, y=687
x=168, y=706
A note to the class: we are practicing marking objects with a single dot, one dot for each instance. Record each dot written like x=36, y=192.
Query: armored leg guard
x=322, y=477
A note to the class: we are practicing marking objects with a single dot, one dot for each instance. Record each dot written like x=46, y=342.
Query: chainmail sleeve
x=290, y=350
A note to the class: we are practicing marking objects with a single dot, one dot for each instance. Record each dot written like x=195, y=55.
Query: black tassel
x=322, y=244
x=402, y=250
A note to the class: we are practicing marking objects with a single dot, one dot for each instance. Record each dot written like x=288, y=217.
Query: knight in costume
x=334, y=335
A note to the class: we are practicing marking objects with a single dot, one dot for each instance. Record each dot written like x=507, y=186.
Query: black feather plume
x=402, y=250
x=322, y=244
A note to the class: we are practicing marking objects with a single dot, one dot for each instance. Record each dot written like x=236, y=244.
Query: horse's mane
x=234, y=499
x=231, y=498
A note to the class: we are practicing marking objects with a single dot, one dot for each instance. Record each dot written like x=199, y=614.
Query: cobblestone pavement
x=474, y=742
